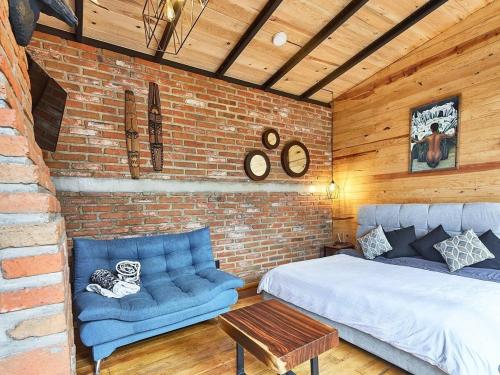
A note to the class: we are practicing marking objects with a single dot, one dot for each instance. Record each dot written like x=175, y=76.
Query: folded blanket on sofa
x=126, y=282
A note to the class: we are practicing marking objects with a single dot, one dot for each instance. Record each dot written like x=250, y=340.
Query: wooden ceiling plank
x=256, y=25
x=326, y=31
x=133, y=53
x=409, y=21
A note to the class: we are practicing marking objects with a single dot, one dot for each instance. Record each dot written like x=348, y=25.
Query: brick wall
x=35, y=312
x=209, y=125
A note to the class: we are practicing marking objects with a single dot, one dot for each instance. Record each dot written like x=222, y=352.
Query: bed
x=411, y=312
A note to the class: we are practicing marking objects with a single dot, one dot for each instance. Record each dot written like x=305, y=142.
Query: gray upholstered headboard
x=455, y=217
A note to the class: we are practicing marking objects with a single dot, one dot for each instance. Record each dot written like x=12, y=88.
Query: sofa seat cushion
x=161, y=293
x=101, y=331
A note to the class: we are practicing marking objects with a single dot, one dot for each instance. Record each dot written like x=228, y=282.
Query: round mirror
x=271, y=139
x=295, y=159
x=257, y=165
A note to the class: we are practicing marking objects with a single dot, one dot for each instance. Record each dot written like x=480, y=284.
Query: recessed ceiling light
x=280, y=38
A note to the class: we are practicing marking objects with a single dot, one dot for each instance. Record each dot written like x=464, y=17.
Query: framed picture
x=434, y=135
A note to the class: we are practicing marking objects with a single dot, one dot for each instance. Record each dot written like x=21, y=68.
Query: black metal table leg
x=240, y=360
x=314, y=366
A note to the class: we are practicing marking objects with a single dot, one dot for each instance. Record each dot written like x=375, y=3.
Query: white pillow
x=374, y=243
x=463, y=250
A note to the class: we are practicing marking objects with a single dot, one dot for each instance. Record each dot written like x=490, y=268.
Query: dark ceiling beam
x=247, y=37
x=404, y=25
x=129, y=52
x=324, y=33
x=79, y=15
x=168, y=32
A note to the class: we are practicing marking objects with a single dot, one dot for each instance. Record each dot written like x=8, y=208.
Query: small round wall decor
x=295, y=159
x=271, y=139
x=257, y=165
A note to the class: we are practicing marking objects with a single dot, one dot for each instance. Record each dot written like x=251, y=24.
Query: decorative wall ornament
x=155, y=127
x=132, y=134
x=295, y=159
x=24, y=14
x=433, y=135
x=257, y=165
x=270, y=139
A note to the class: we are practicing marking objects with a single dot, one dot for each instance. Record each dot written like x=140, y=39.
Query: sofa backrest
x=454, y=217
x=177, y=254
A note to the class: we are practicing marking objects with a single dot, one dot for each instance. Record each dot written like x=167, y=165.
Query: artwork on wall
x=155, y=127
x=434, y=135
x=131, y=134
x=257, y=165
x=295, y=159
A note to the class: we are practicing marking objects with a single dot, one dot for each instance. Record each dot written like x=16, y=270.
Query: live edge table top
x=278, y=335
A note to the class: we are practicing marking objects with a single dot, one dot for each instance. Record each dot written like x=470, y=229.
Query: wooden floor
x=205, y=349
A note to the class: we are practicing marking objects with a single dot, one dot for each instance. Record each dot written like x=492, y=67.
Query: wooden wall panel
x=371, y=123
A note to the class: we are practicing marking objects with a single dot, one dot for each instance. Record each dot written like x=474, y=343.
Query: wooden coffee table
x=277, y=335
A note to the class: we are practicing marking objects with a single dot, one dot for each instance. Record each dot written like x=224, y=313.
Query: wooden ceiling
x=368, y=36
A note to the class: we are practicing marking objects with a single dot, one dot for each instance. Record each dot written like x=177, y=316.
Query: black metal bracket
x=240, y=363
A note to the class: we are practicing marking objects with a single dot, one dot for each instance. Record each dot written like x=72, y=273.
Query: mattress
x=448, y=321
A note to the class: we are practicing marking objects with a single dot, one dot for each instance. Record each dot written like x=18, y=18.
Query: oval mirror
x=270, y=139
x=295, y=159
x=257, y=165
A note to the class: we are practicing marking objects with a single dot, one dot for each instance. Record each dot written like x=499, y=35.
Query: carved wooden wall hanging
x=154, y=127
x=131, y=134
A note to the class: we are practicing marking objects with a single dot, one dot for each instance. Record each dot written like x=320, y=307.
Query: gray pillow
x=463, y=250
x=374, y=243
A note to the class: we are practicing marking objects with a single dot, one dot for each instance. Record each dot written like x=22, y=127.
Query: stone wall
x=35, y=310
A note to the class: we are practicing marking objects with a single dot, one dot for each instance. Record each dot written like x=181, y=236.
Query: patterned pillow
x=374, y=243
x=463, y=250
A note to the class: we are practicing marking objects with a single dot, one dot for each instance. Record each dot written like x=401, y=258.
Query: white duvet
x=449, y=321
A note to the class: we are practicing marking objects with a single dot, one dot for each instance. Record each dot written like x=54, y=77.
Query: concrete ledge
x=119, y=185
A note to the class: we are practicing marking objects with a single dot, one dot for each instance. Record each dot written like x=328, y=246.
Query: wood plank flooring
x=204, y=349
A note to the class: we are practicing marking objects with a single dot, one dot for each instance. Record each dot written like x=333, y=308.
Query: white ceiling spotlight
x=280, y=38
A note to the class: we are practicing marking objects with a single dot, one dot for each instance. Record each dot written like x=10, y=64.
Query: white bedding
x=449, y=321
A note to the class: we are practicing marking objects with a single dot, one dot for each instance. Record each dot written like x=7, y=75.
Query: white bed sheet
x=449, y=321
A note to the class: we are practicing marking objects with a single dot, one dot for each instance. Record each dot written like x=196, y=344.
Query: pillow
x=374, y=243
x=424, y=245
x=492, y=242
x=400, y=241
x=463, y=250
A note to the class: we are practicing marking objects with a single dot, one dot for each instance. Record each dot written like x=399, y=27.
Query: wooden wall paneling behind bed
x=371, y=123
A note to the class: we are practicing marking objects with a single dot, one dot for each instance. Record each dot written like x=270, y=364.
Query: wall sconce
x=332, y=190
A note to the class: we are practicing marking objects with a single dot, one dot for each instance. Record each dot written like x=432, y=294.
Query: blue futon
x=180, y=286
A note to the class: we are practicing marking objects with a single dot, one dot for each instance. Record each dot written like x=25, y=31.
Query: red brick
x=28, y=202
x=33, y=265
x=54, y=360
x=32, y=297
x=31, y=234
x=13, y=145
x=38, y=327
x=7, y=117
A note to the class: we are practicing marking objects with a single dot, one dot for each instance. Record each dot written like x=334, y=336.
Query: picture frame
x=433, y=139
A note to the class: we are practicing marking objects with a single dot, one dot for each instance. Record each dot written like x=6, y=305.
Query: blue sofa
x=180, y=286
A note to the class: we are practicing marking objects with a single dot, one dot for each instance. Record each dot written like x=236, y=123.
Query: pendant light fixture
x=332, y=189
x=168, y=23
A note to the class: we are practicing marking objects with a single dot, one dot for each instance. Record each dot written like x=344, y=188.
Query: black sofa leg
x=97, y=367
